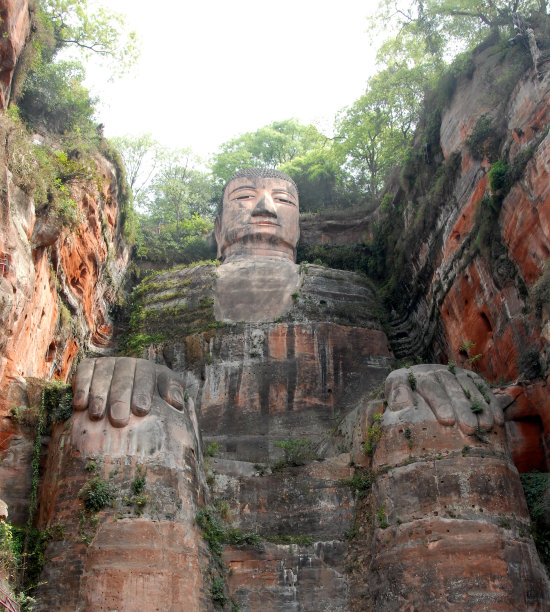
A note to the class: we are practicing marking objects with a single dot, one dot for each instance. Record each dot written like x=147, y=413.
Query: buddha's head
x=259, y=215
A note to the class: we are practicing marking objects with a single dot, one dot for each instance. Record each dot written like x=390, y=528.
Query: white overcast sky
x=210, y=70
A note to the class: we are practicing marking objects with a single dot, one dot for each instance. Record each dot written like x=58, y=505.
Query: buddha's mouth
x=265, y=222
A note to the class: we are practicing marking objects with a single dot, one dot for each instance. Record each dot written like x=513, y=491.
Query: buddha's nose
x=265, y=207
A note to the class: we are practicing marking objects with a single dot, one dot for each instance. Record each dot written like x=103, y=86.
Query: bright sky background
x=212, y=69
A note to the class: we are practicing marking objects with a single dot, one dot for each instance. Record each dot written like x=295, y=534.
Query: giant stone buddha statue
x=296, y=353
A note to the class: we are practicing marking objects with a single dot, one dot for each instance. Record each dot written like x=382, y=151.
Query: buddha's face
x=259, y=217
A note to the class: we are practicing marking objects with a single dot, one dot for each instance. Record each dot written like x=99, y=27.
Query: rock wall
x=334, y=228
x=56, y=291
x=15, y=28
x=445, y=524
x=467, y=295
x=471, y=289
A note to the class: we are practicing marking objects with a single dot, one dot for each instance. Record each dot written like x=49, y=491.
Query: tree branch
x=91, y=47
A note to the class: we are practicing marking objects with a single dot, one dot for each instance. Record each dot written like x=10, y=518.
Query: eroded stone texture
x=15, y=29
x=148, y=554
x=259, y=383
x=265, y=296
x=284, y=578
x=446, y=525
x=53, y=303
x=326, y=228
x=475, y=291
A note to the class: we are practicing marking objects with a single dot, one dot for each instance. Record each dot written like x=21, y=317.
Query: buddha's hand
x=120, y=386
x=453, y=396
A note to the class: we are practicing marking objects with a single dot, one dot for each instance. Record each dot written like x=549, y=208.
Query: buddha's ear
x=218, y=233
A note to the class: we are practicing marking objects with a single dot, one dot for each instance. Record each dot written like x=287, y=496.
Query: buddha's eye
x=284, y=201
x=244, y=197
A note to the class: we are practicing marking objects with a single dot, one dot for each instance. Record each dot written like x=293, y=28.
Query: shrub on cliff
x=55, y=98
x=297, y=451
x=96, y=494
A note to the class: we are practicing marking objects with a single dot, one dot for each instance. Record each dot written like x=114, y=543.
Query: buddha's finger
x=81, y=383
x=121, y=391
x=144, y=387
x=171, y=388
x=398, y=391
x=99, y=390
x=434, y=393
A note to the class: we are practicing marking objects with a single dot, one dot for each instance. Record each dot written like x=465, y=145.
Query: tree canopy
x=448, y=26
x=94, y=31
x=269, y=146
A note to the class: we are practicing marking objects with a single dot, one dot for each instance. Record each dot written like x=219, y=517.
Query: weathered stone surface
x=444, y=502
x=143, y=551
x=525, y=216
x=322, y=228
x=283, y=577
x=15, y=29
x=265, y=296
x=307, y=500
x=54, y=302
x=476, y=309
x=291, y=380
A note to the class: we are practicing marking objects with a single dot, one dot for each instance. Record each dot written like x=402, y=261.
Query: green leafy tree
x=54, y=97
x=269, y=147
x=168, y=245
x=143, y=157
x=301, y=151
x=179, y=190
x=447, y=26
x=52, y=94
x=321, y=180
x=94, y=31
x=373, y=134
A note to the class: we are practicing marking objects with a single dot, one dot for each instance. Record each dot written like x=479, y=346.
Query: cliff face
x=55, y=293
x=57, y=284
x=471, y=263
x=348, y=523
x=475, y=269
x=15, y=29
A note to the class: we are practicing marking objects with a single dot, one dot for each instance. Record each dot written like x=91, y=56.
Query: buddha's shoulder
x=176, y=302
x=336, y=296
x=179, y=279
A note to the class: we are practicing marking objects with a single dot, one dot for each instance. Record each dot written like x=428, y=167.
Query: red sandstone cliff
x=478, y=296
x=15, y=28
x=56, y=284
x=472, y=288
x=55, y=293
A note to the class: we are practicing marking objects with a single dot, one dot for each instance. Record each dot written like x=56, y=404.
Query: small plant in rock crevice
x=476, y=407
x=360, y=483
x=481, y=388
x=382, y=518
x=138, y=498
x=212, y=449
x=374, y=435
x=96, y=494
